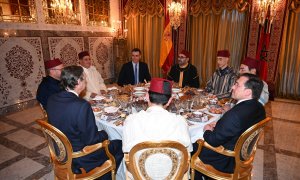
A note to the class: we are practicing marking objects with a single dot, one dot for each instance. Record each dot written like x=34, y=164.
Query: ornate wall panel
x=21, y=69
x=66, y=48
x=101, y=51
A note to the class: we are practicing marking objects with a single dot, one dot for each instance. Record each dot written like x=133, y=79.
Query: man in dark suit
x=247, y=112
x=134, y=72
x=51, y=83
x=74, y=117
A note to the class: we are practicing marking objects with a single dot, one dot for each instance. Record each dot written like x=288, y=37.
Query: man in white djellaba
x=95, y=83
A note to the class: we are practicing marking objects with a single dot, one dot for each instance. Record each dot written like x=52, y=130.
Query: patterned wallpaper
x=22, y=63
x=101, y=51
x=21, y=69
x=66, y=49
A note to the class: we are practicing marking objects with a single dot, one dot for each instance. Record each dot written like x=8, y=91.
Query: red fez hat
x=52, y=63
x=162, y=86
x=223, y=53
x=186, y=53
x=251, y=63
x=82, y=54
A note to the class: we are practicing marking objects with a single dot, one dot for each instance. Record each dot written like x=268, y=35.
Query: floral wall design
x=101, y=51
x=21, y=69
x=66, y=49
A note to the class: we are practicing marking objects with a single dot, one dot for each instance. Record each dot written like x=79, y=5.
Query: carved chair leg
x=113, y=175
x=192, y=174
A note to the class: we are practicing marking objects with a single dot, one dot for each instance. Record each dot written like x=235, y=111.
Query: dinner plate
x=111, y=109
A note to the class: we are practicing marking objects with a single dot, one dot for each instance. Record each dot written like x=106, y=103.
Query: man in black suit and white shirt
x=135, y=71
x=75, y=118
x=247, y=112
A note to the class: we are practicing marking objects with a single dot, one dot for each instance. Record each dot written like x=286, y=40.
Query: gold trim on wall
x=143, y=7
x=216, y=6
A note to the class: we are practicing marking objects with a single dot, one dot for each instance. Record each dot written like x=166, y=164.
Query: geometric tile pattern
x=24, y=154
x=101, y=52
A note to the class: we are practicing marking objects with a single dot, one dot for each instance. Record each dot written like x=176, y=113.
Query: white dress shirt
x=155, y=124
x=94, y=82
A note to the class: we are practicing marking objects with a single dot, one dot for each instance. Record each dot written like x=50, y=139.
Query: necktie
x=135, y=74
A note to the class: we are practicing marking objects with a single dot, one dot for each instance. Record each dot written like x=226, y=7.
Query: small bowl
x=139, y=93
x=139, y=89
x=197, y=114
x=176, y=90
x=213, y=101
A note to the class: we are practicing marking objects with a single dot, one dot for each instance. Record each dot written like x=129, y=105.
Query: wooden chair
x=44, y=112
x=61, y=153
x=158, y=160
x=243, y=153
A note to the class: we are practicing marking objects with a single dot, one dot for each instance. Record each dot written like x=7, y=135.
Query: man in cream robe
x=95, y=83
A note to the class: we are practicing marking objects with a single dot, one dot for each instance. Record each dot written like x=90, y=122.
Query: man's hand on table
x=210, y=126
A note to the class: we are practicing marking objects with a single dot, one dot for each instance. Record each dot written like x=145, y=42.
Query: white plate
x=139, y=93
x=139, y=89
x=111, y=109
x=112, y=88
x=98, y=98
x=176, y=90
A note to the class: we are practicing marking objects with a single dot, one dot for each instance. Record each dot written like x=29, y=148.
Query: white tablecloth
x=116, y=132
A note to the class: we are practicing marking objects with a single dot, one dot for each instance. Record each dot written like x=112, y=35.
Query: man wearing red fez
x=184, y=73
x=156, y=123
x=223, y=78
x=51, y=83
x=134, y=72
x=94, y=81
x=250, y=65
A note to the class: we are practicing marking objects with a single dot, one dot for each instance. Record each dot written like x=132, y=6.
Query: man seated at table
x=223, y=78
x=156, y=123
x=95, y=84
x=250, y=65
x=51, y=83
x=134, y=72
x=184, y=73
x=75, y=118
x=247, y=112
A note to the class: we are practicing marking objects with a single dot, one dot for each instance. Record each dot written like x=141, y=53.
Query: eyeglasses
x=181, y=57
